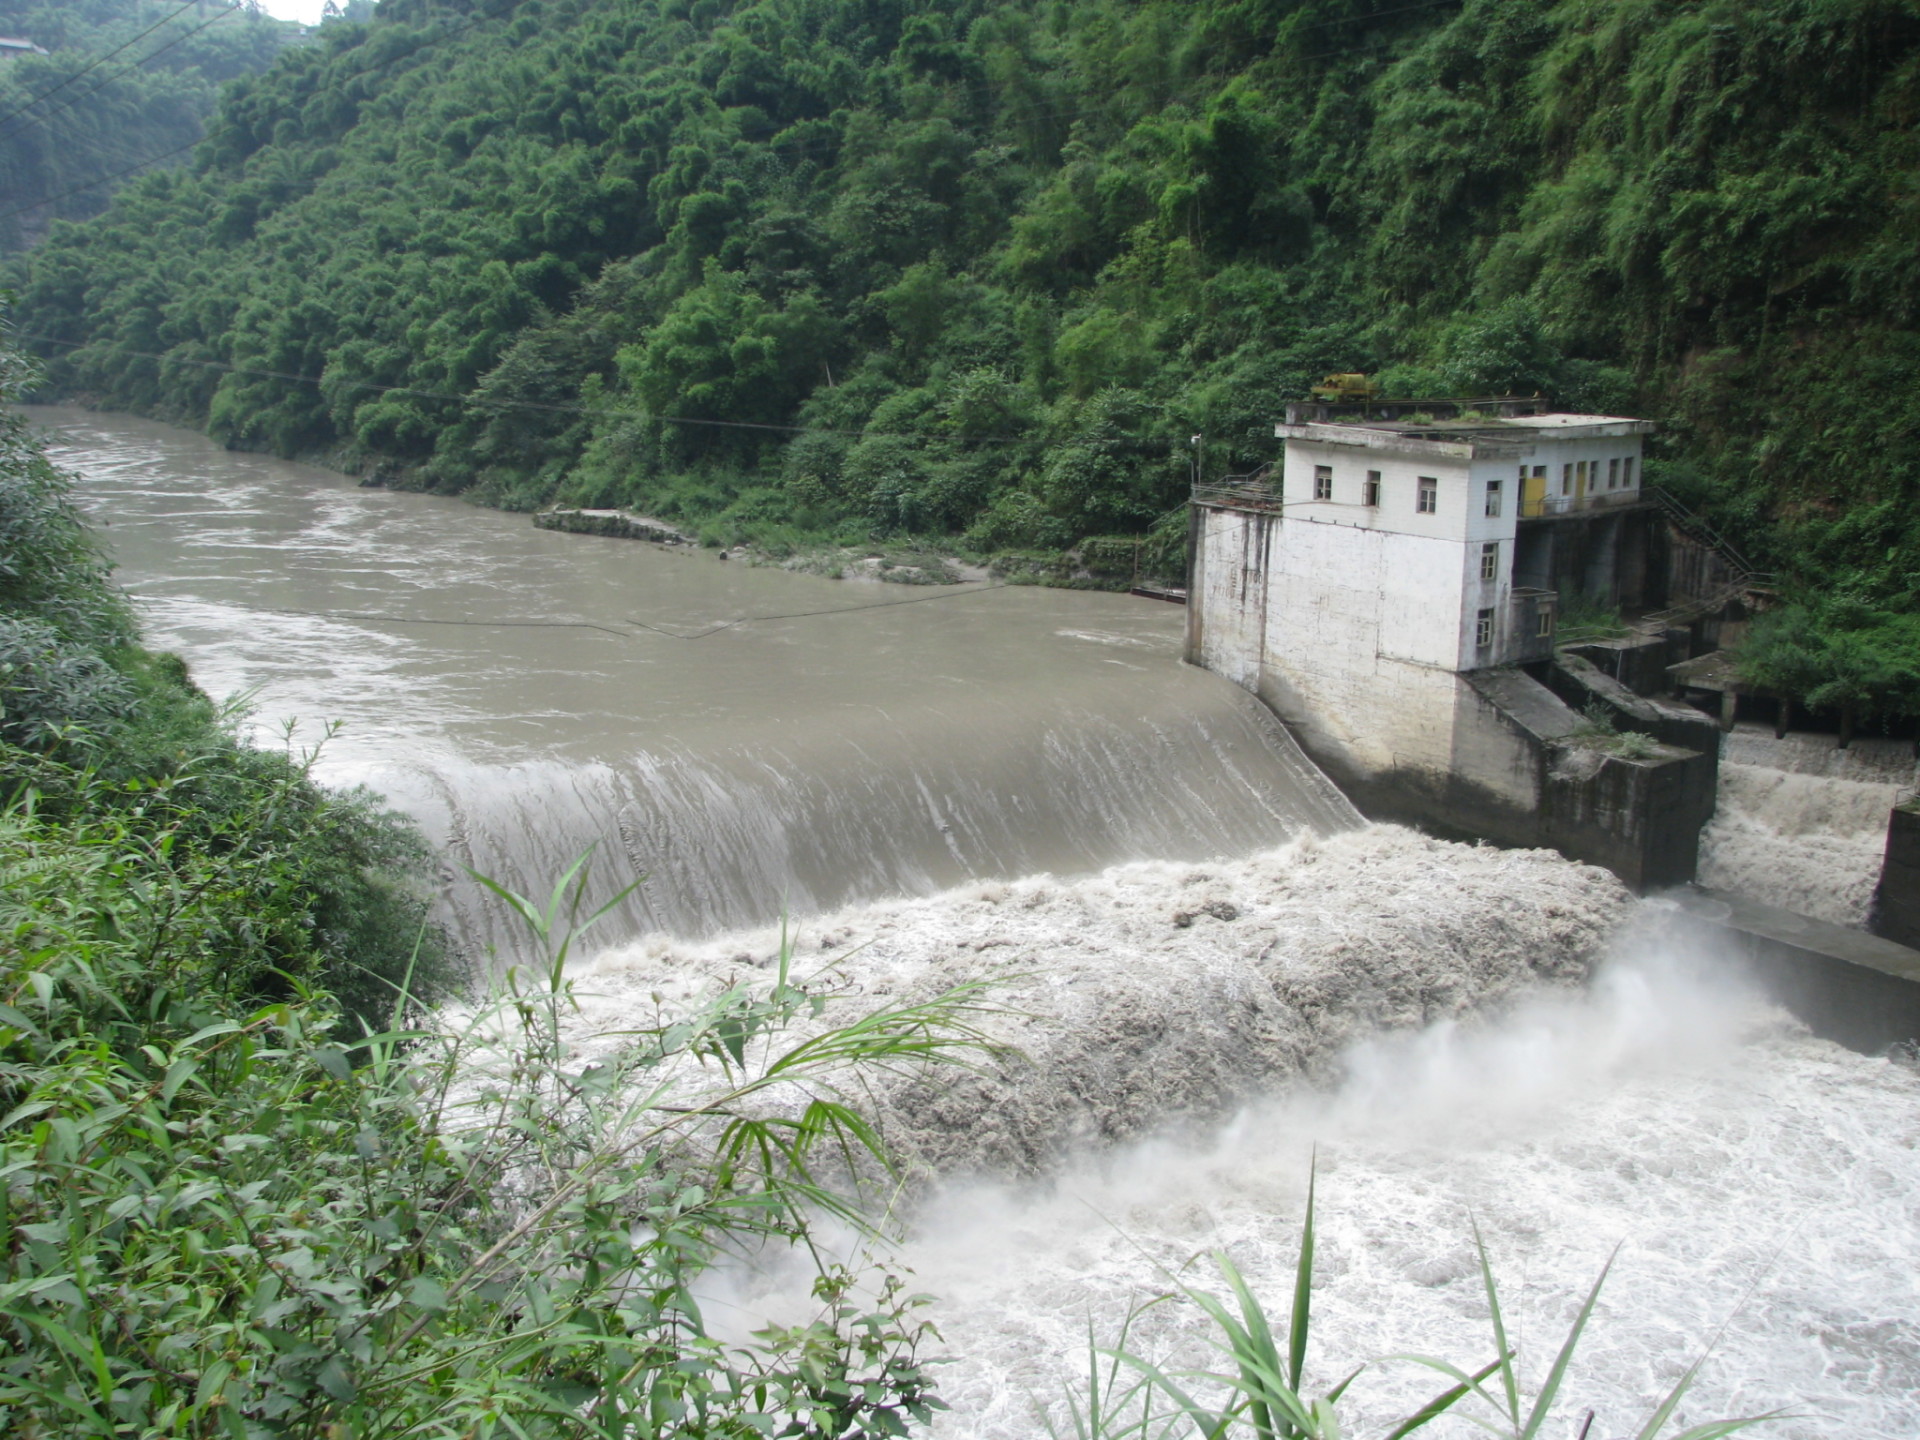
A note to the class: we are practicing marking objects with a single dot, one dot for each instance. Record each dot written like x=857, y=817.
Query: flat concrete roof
x=1467, y=436
x=1716, y=670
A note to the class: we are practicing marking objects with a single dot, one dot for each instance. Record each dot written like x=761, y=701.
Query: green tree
x=416, y=241
x=1839, y=655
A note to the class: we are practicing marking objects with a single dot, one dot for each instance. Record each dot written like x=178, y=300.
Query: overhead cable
x=547, y=406
x=108, y=79
x=94, y=65
x=383, y=619
x=151, y=161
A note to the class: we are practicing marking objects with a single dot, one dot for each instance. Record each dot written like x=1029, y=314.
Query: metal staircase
x=1741, y=572
x=1717, y=573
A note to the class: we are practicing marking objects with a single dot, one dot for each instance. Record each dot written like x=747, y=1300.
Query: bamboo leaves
x=253, y=1230
x=1260, y=1395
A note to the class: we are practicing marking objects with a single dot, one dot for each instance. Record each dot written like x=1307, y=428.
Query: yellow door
x=1533, y=492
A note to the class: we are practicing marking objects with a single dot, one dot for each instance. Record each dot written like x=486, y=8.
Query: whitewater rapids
x=1412, y=1012
x=1809, y=843
x=1193, y=1028
x=1755, y=1179
x=1154, y=991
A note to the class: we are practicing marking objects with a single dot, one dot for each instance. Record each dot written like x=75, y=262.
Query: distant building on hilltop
x=12, y=49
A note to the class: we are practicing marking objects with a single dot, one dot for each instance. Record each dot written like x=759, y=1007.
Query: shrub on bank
x=99, y=735
x=239, y=1220
x=242, y=1199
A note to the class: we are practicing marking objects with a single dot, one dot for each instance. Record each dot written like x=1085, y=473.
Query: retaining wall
x=1896, y=904
x=1855, y=989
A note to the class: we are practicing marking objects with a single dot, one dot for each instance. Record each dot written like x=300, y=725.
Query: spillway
x=1211, y=968
x=527, y=694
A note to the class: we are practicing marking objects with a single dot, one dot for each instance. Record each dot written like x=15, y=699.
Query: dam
x=1216, y=966
x=526, y=694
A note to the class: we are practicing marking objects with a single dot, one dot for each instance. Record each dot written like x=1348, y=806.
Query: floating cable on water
x=382, y=619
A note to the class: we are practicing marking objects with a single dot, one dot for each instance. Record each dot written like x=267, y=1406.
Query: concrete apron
x=1847, y=986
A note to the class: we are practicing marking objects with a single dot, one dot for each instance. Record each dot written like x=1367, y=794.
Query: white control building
x=1380, y=586
x=1407, y=541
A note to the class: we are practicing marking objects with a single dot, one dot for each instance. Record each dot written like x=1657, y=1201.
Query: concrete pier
x=1896, y=906
x=1850, y=987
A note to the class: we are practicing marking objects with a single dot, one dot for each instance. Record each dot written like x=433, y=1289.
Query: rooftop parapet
x=1469, y=436
x=1303, y=412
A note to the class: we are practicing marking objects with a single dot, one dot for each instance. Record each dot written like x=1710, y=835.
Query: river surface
x=746, y=739
x=526, y=694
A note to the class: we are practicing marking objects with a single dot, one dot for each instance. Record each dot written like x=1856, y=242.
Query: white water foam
x=1804, y=842
x=1157, y=989
x=1755, y=1178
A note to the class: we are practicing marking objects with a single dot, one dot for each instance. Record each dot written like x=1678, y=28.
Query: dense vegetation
x=254, y=880
x=124, y=83
x=883, y=267
x=254, y=1189
x=238, y=1203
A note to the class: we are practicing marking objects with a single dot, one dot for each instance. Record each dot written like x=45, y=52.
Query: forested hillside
x=124, y=84
x=981, y=269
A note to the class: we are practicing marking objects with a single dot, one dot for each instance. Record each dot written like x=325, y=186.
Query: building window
x=1613, y=474
x=1370, y=493
x=1490, y=560
x=1323, y=482
x=1493, y=497
x=1626, y=472
x=1428, y=502
x=1544, y=620
x=1566, y=479
x=1483, y=629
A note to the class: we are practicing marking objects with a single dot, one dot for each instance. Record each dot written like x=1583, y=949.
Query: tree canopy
x=980, y=269
x=124, y=84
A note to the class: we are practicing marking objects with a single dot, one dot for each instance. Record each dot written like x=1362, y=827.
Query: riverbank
x=1112, y=564
x=750, y=741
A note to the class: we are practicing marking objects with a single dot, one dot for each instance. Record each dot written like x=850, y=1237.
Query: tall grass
x=1258, y=1391
x=256, y=1223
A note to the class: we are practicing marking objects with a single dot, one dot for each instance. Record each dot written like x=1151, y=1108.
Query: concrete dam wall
x=1336, y=632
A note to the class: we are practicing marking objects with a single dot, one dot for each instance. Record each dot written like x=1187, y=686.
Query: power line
x=551, y=406
x=383, y=619
x=94, y=65
x=443, y=35
x=541, y=406
x=147, y=164
x=835, y=610
x=125, y=69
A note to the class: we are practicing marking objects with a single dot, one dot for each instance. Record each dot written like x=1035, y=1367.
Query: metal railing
x=1545, y=505
x=1256, y=490
x=1569, y=635
x=1703, y=534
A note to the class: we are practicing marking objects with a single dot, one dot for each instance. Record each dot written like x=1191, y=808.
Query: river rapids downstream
x=1213, y=969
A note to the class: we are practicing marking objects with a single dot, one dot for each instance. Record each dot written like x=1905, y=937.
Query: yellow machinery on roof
x=1346, y=387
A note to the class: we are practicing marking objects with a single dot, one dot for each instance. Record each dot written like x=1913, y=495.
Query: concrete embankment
x=620, y=524
x=1850, y=987
x=1897, y=901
